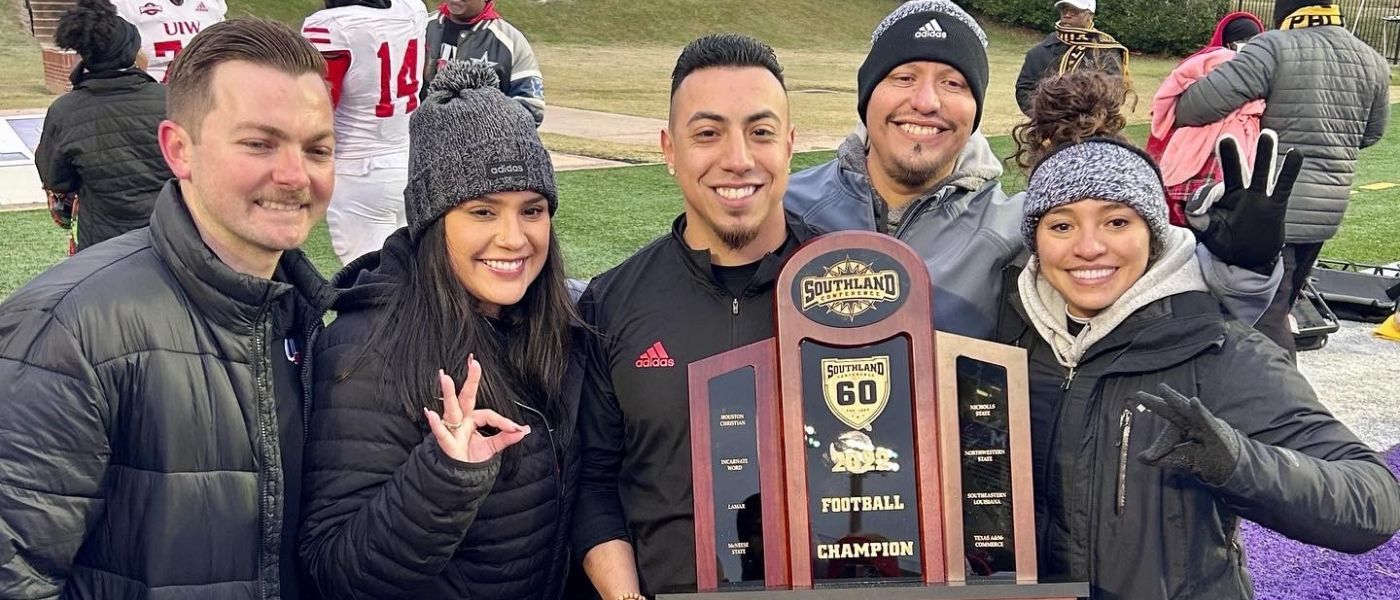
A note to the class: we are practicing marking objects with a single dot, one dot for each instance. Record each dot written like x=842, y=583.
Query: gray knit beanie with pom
x=467, y=140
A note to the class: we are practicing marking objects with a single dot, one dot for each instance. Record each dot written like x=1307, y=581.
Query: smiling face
x=730, y=143
x=497, y=245
x=1091, y=252
x=919, y=119
x=259, y=173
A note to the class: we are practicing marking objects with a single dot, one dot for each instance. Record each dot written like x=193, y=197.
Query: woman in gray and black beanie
x=1157, y=421
x=417, y=487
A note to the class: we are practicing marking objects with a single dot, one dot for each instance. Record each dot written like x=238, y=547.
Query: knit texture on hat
x=1098, y=169
x=1284, y=8
x=468, y=139
x=926, y=30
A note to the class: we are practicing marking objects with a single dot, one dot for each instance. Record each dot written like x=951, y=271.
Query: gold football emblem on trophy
x=856, y=389
x=849, y=288
x=854, y=452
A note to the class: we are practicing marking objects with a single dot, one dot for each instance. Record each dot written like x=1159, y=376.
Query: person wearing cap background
x=924, y=175
x=1150, y=443
x=407, y=494
x=1327, y=94
x=1075, y=44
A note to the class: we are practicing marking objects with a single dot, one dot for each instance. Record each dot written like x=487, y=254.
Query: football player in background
x=473, y=30
x=166, y=26
x=373, y=51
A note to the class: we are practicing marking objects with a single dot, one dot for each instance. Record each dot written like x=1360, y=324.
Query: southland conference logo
x=849, y=288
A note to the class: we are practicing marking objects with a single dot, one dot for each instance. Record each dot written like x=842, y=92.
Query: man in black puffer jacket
x=151, y=395
x=99, y=141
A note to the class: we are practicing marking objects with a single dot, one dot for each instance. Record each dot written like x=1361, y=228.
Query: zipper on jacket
x=736, y=307
x=1069, y=379
x=261, y=384
x=1125, y=430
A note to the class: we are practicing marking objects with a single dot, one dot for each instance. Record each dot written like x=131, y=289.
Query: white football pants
x=367, y=205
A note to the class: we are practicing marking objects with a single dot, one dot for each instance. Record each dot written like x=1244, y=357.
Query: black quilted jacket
x=388, y=514
x=100, y=141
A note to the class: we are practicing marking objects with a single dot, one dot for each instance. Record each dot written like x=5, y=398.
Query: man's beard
x=737, y=239
x=914, y=173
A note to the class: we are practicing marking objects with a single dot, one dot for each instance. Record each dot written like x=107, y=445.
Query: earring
x=671, y=169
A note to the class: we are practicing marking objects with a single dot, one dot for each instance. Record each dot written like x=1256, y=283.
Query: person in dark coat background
x=1157, y=422
x=99, y=141
x=407, y=495
x=1075, y=44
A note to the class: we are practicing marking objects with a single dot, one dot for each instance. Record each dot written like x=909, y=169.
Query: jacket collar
x=697, y=262
x=372, y=279
x=976, y=165
x=226, y=297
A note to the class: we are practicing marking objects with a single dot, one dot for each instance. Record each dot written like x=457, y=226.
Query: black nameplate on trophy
x=989, y=531
x=862, y=496
x=734, y=468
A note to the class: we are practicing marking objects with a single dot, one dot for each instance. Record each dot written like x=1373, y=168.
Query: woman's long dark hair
x=433, y=322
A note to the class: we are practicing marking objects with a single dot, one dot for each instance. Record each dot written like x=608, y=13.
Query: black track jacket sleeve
x=598, y=515
x=1301, y=472
x=385, y=508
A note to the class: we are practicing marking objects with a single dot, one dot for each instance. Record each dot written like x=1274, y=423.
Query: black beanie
x=1239, y=30
x=1283, y=8
x=926, y=30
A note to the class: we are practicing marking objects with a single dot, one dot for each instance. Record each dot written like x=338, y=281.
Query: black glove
x=1194, y=439
x=1243, y=226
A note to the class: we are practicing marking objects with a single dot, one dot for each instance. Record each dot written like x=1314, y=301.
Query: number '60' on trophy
x=857, y=448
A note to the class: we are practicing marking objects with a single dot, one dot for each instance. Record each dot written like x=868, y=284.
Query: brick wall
x=57, y=63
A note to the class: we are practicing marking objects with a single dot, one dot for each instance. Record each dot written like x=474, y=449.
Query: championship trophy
x=858, y=449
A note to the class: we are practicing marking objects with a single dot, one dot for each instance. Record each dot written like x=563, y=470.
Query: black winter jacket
x=139, y=440
x=1043, y=60
x=1142, y=532
x=388, y=514
x=635, y=416
x=99, y=140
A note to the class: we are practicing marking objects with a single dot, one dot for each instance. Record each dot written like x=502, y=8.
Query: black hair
x=433, y=322
x=88, y=28
x=725, y=50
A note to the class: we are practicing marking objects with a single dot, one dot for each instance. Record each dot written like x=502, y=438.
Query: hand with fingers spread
x=458, y=428
x=1244, y=225
x=1194, y=440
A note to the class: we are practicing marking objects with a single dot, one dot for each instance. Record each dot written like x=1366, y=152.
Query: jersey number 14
x=405, y=84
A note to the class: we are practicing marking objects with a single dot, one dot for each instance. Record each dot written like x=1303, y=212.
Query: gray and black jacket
x=1300, y=472
x=502, y=46
x=1327, y=96
x=139, y=437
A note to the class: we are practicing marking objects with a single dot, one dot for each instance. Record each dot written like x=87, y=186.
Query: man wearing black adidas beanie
x=923, y=173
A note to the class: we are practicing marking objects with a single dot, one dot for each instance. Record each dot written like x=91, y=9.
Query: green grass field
x=605, y=215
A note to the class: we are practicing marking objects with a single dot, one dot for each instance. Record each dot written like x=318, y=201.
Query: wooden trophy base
x=976, y=591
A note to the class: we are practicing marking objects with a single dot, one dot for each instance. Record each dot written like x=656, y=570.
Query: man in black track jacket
x=703, y=289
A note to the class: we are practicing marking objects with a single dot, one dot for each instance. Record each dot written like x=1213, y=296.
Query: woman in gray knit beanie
x=413, y=486
x=1158, y=421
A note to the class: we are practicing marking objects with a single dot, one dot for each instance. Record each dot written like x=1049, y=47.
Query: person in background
x=1187, y=154
x=1327, y=94
x=372, y=50
x=99, y=141
x=475, y=30
x=167, y=26
x=1075, y=44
